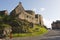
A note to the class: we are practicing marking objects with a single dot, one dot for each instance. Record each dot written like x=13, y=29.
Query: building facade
x=28, y=15
x=56, y=25
x=4, y=12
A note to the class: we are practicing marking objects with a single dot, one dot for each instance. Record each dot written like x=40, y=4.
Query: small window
x=27, y=16
x=36, y=16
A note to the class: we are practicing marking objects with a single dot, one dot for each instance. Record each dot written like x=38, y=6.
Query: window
x=27, y=16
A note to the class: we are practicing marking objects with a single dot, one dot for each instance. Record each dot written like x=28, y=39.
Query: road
x=51, y=35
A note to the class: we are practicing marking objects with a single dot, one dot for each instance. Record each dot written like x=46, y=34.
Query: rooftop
x=30, y=12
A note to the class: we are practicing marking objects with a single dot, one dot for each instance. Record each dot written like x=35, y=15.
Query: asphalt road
x=51, y=35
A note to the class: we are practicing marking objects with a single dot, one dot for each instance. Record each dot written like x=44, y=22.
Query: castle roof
x=30, y=12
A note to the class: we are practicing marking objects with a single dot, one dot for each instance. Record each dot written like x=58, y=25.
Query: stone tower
x=40, y=19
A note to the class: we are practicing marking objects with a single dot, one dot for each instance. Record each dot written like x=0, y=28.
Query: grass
x=36, y=31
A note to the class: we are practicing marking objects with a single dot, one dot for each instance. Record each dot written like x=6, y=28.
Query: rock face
x=28, y=15
x=56, y=25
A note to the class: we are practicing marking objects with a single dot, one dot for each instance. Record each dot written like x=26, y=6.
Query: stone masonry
x=28, y=15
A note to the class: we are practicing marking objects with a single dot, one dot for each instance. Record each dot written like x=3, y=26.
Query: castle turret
x=39, y=19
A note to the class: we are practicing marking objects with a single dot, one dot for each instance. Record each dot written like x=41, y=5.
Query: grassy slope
x=39, y=31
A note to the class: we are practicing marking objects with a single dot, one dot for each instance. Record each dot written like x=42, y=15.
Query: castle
x=28, y=15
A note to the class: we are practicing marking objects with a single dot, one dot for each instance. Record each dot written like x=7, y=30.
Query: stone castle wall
x=28, y=15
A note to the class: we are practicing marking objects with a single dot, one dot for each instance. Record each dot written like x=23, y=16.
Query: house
x=4, y=12
x=56, y=25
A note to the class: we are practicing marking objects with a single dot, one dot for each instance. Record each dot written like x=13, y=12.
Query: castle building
x=56, y=25
x=28, y=15
x=20, y=13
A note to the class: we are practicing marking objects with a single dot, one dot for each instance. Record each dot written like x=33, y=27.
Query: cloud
x=42, y=9
x=38, y=10
x=33, y=9
x=47, y=22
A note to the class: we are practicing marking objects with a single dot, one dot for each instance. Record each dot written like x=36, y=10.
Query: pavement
x=51, y=35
